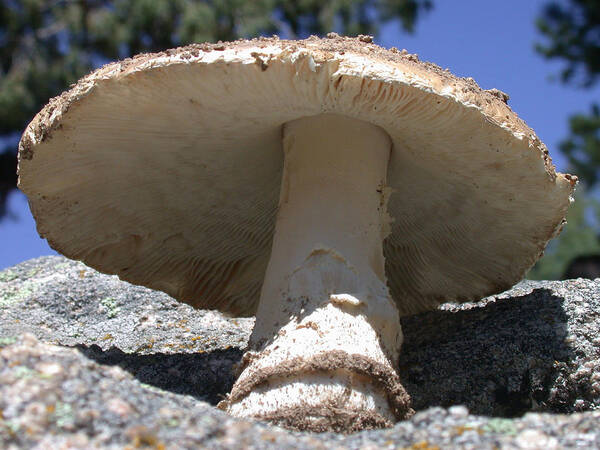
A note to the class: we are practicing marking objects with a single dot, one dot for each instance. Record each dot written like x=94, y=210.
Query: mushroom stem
x=327, y=334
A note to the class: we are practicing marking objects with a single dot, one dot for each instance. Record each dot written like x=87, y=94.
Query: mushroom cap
x=165, y=169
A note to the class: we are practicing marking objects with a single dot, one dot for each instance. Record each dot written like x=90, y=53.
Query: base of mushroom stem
x=332, y=391
x=326, y=419
x=325, y=348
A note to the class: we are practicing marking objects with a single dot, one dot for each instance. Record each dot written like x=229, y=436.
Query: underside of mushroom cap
x=165, y=169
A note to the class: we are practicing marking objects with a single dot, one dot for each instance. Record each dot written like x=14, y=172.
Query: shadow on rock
x=504, y=359
x=206, y=376
x=501, y=359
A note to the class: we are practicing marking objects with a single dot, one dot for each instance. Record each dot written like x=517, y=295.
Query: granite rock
x=88, y=360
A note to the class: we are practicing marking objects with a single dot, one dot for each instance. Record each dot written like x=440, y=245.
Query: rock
x=88, y=360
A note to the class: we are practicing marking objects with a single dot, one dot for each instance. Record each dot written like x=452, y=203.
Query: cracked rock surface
x=87, y=360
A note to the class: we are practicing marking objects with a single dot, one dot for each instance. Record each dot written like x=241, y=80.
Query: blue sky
x=489, y=41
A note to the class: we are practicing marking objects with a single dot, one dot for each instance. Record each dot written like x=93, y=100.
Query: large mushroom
x=327, y=186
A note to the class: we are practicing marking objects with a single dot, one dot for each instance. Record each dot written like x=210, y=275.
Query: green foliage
x=582, y=147
x=572, y=33
x=572, y=29
x=8, y=176
x=579, y=237
x=299, y=18
x=45, y=46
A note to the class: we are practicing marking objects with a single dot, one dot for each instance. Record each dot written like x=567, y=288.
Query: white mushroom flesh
x=325, y=287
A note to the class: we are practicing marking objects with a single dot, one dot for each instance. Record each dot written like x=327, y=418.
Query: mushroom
x=327, y=186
